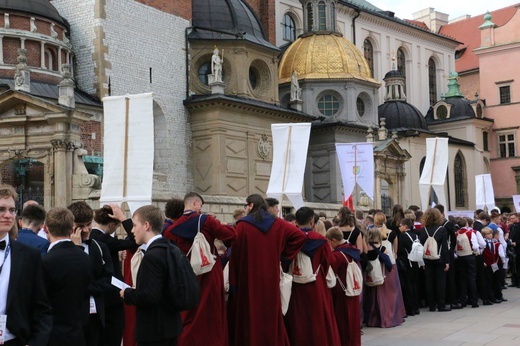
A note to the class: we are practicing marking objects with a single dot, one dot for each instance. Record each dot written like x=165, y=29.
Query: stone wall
x=141, y=49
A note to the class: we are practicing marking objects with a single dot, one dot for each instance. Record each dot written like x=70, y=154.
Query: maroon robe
x=255, y=307
x=310, y=318
x=206, y=324
x=347, y=309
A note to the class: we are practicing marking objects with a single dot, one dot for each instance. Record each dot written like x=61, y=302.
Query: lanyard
x=5, y=257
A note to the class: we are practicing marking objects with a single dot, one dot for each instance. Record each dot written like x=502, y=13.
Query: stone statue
x=296, y=91
x=216, y=65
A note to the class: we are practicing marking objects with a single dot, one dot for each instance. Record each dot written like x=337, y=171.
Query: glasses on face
x=11, y=211
x=246, y=205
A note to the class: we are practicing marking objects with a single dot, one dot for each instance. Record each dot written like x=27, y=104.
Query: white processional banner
x=128, y=150
x=290, y=144
x=516, y=202
x=356, y=162
x=485, y=196
x=434, y=172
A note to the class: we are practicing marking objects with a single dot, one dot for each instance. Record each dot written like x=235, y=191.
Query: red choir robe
x=347, y=309
x=254, y=306
x=206, y=324
x=310, y=318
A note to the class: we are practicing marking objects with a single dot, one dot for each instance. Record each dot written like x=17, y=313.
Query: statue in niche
x=296, y=91
x=216, y=65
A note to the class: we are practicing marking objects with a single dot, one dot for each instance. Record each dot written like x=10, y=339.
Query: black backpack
x=182, y=282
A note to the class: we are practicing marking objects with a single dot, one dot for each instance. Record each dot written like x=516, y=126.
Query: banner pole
x=125, y=160
x=285, y=167
x=485, y=196
x=433, y=167
x=354, y=197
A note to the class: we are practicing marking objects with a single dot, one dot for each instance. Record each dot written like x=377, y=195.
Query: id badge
x=92, y=306
x=494, y=267
x=3, y=321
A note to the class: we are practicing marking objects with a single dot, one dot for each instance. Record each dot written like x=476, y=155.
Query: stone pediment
x=18, y=106
x=391, y=148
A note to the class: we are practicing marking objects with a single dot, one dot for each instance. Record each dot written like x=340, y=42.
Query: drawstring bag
x=201, y=259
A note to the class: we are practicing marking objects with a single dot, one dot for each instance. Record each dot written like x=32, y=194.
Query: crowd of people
x=296, y=280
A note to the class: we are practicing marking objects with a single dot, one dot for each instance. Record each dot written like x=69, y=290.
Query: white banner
x=434, y=171
x=290, y=144
x=485, y=196
x=356, y=162
x=128, y=150
x=516, y=202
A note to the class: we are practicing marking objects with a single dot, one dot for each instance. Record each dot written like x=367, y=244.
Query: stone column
x=1, y=50
x=62, y=171
x=377, y=192
x=42, y=53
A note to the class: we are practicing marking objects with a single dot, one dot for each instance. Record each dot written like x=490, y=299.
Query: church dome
x=42, y=8
x=401, y=116
x=233, y=16
x=324, y=56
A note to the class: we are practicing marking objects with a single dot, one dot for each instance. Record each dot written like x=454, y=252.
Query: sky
x=404, y=9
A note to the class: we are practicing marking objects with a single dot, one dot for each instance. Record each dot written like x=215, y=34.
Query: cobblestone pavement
x=498, y=324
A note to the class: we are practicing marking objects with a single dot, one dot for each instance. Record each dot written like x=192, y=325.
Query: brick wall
x=176, y=8
x=92, y=145
x=265, y=11
x=469, y=84
x=33, y=53
x=11, y=46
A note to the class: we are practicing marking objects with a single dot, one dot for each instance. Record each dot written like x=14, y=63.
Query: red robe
x=255, y=307
x=129, y=331
x=347, y=309
x=310, y=319
x=206, y=324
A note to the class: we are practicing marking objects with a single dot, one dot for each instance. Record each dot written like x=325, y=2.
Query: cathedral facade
x=216, y=140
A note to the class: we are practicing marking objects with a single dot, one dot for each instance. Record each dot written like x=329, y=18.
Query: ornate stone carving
x=33, y=25
x=264, y=147
x=62, y=144
x=54, y=34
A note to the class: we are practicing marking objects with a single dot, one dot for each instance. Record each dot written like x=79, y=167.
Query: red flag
x=349, y=202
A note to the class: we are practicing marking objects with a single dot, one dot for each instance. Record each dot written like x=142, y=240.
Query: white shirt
x=145, y=246
x=480, y=240
x=57, y=242
x=4, y=284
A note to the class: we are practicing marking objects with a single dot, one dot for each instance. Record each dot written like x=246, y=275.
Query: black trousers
x=169, y=342
x=435, y=284
x=114, y=325
x=467, y=275
x=408, y=276
x=481, y=283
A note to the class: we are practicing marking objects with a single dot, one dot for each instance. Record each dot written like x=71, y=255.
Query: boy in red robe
x=207, y=323
x=255, y=307
x=310, y=319
x=347, y=309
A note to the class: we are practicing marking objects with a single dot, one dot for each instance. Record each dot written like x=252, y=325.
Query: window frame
x=501, y=97
x=506, y=142
x=289, y=27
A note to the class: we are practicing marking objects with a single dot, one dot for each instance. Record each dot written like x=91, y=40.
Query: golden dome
x=329, y=56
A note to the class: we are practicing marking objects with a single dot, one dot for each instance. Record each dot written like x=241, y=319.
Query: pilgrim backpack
x=301, y=269
x=375, y=276
x=417, y=251
x=353, y=279
x=182, y=282
x=463, y=245
x=201, y=259
x=431, y=251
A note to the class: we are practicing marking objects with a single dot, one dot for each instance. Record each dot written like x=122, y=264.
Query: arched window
x=459, y=169
x=332, y=16
x=49, y=60
x=310, y=15
x=369, y=55
x=322, y=16
x=401, y=65
x=289, y=28
x=432, y=81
